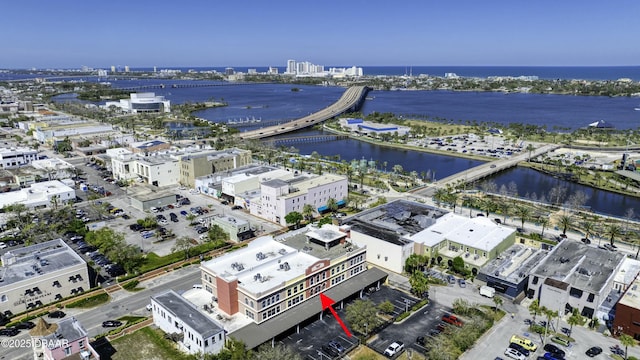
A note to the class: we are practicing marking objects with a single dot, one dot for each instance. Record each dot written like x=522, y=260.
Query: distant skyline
x=198, y=33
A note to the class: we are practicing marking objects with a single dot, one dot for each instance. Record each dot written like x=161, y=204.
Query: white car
x=514, y=354
x=154, y=210
x=394, y=349
x=3, y=245
x=149, y=307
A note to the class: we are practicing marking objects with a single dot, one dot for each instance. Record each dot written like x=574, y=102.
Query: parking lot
x=316, y=339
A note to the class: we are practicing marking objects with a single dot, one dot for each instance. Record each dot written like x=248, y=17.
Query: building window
x=81, y=344
x=67, y=350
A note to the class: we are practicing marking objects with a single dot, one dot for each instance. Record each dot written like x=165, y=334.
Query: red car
x=451, y=319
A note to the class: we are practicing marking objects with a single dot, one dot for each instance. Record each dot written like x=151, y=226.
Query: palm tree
x=307, y=211
x=565, y=222
x=550, y=315
x=574, y=319
x=612, y=231
x=497, y=301
x=530, y=149
x=534, y=308
x=524, y=213
x=626, y=341
x=332, y=204
x=544, y=222
x=588, y=227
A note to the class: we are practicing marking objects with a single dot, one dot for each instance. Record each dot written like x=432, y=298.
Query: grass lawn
x=146, y=343
x=90, y=301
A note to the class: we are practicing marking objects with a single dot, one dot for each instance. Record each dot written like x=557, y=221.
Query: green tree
x=565, y=222
x=386, y=307
x=524, y=213
x=544, y=222
x=362, y=315
x=419, y=283
x=550, y=315
x=497, y=301
x=613, y=231
x=534, y=309
x=458, y=264
x=332, y=205
x=307, y=211
x=277, y=352
x=183, y=243
x=626, y=341
x=293, y=217
x=574, y=319
x=415, y=262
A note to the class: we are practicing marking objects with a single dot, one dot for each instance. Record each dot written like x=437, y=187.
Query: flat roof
x=258, y=266
x=188, y=313
x=69, y=329
x=255, y=334
x=31, y=262
x=584, y=267
x=514, y=264
x=394, y=221
x=300, y=242
x=145, y=194
x=478, y=232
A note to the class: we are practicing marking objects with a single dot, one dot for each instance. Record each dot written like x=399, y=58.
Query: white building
x=279, y=197
x=47, y=194
x=142, y=102
x=16, y=157
x=75, y=129
x=371, y=128
x=174, y=314
x=247, y=183
x=158, y=169
x=39, y=274
x=54, y=167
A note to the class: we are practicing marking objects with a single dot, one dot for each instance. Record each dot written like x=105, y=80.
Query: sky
x=220, y=33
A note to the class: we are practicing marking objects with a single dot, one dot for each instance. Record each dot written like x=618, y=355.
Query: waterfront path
x=351, y=100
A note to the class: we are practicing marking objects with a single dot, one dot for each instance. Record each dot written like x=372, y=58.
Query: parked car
x=10, y=331
x=111, y=323
x=452, y=319
x=25, y=325
x=336, y=345
x=393, y=349
x=514, y=354
x=421, y=340
x=462, y=283
x=520, y=349
x=331, y=352
x=184, y=213
x=57, y=314
x=550, y=348
x=593, y=351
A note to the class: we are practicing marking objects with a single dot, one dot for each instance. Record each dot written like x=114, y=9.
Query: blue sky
x=214, y=33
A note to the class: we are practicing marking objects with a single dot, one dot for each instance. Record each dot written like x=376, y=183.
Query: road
x=123, y=303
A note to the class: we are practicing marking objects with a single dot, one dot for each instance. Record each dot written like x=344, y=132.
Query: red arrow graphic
x=326, y=303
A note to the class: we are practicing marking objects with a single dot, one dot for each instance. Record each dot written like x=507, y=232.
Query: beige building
x=36, y=275
x=209, y=162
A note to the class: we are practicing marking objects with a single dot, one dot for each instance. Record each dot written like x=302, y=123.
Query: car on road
x=393, y=349
x=336, y=345
x=236, y=207
x=514, y=354
x=111, y=323
x=593, y=351
x=10, y=331
x=57, y=314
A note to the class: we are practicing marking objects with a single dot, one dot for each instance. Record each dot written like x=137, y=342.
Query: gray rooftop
x=275, y=183
x=583, y=267
x=255, y=334
x=182, y=309
x=392, y=221
x=514, y=264
x=36, y=260
x=69, y=329
x=301, y=242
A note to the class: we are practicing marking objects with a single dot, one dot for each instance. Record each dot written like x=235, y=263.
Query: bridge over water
x=484, y=170
x=351, y=100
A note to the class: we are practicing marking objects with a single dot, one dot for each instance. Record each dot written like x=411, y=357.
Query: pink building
x=66, y=339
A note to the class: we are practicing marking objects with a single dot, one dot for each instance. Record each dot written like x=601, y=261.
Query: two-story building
x=201, y=334
x=47, y=194
x=575, y=276
x=66, y=339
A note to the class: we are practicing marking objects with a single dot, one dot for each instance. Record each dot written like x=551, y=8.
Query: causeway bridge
x=351, y=100
x=484, y=170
